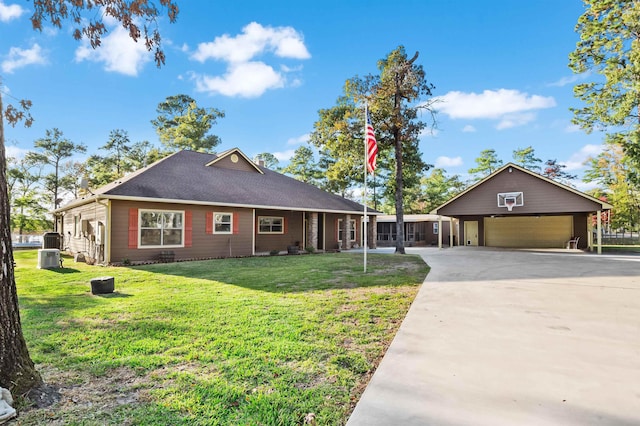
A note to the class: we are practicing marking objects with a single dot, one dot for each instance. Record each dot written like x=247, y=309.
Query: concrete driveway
x=498, y=337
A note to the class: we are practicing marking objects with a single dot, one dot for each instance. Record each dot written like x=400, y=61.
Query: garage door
x=526, y=231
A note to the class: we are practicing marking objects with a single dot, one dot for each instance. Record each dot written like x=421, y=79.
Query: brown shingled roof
x=185, y=176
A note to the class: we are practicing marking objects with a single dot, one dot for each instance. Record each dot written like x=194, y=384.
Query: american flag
x=372, y=146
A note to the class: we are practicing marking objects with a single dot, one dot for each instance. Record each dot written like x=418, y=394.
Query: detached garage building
x=515, y=207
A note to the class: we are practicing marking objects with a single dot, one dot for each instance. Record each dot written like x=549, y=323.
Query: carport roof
x=603, y=204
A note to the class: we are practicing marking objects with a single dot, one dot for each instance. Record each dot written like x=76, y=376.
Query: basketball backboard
x=510, y=199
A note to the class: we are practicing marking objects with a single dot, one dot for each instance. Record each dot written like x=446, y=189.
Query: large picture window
x=161, y=228
x=352, y=230
x=270, y=225
x=222, y=223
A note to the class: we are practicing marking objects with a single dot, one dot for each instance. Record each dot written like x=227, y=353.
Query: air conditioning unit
x=48, y=258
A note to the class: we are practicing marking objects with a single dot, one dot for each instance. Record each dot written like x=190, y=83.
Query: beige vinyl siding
x=82, y=242
x=528, y=231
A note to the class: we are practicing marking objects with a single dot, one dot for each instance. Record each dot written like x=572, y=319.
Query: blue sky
x=499, y=67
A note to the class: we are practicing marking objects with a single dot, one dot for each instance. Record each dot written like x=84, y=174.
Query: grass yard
x=620, y=249
x=252, y=341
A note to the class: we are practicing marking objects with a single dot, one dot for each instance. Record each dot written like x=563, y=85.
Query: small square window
x=222, y=223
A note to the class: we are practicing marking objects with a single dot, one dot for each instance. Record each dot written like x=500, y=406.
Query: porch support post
x=439, y=231
x=599, y=232
x=590, y=231
x=450, y=232
x=312, y=235
x=346, y=228
x=373, y=232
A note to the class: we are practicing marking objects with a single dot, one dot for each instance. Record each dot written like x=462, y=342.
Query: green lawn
x=620, y=249
x=253, y=341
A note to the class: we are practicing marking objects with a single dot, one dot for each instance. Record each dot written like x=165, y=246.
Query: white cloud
x=570, y=79
x=576, y=161
x=511, y=107
x=300, y=139
x=442, y=162
x=514, y=120
x=429, y=132
x=15, y=152
x=284, y=155
x=9, y=12
x=247, y=80
x=468, y=129
x=284, y=42
x=572, y=128
x=118, y=53
x=245, y=76
x=18, y=58
x=584, y=186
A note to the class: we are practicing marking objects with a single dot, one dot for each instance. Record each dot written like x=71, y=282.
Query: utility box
x=51, y=240
x=48, y=258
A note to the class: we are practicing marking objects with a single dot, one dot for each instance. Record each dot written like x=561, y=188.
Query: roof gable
x=190, y=177
x=234, y=159
x=541, y=195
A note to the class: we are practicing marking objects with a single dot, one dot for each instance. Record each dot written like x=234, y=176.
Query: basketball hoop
x=509, y=203
x=509, y=200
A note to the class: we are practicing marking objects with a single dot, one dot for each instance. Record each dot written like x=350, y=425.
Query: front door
x=471, y=233
x=410, y=235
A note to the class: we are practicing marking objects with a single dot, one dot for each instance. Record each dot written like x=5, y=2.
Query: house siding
x=203, y=244
x=293, y=231
x=539, y=197
x=84, y=242
x=242, y=164
x=331, y=230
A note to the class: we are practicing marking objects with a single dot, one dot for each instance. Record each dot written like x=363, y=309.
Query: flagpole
x=364, y=193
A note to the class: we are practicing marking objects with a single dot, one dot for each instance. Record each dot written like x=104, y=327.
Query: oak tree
x=17, y=371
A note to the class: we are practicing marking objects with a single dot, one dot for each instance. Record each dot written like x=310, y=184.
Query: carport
x=515, y=207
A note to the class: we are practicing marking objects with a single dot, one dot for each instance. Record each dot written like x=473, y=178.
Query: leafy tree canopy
x=182, y=124
x=527, y=159
x=487, y=163
x=609, y=46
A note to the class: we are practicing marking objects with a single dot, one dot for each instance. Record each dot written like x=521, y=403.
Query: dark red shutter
x=208, y=227
x=188, y=229
x=133, y=228
x=284, y=224
x=236, y=223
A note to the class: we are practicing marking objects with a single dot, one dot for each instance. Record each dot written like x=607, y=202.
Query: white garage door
x=527, y=231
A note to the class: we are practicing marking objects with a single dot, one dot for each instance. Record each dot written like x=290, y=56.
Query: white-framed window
x=352, y=230
x=270, y=225
x=76, y=226
x=161, y=228
x=435, y=228
x=223, y=223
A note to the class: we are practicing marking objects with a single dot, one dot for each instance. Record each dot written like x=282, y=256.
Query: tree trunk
x=17, y=372
x=399, y=204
